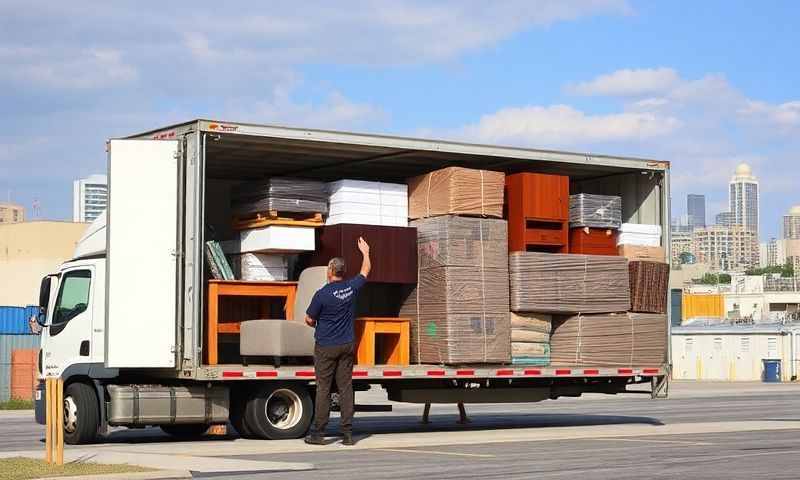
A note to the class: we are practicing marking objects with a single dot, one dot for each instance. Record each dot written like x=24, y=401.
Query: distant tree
x=686, y=258
x=786, y=271
x=713, y=279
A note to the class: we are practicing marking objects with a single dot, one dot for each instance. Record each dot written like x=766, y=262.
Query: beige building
x=726, y=248
x=791, y=224
x=11, y=213
x=30, y=250
x=680, y=243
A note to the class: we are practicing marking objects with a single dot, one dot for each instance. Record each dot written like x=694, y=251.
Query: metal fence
x=8, y=343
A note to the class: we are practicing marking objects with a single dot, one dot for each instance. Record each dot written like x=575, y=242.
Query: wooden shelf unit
x=537, y=209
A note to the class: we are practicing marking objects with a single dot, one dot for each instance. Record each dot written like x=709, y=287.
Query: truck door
x=141, y=269
x=68, y=334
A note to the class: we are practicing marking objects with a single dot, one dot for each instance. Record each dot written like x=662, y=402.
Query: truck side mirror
x=44, y=299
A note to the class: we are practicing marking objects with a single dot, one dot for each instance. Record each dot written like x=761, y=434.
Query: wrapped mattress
x=459, y=307
x=598, y=211
x=613, y=340
x=568, y=283
x=456, y=191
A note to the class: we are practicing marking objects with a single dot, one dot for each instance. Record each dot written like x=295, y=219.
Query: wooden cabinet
x=593, y=241
x=393, y=250
x=537, y=209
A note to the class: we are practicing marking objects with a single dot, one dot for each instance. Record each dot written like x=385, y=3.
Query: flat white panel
x=141, y=268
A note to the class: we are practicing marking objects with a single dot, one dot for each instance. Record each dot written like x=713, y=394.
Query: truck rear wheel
x=239, y=398
x=280, y=411
x=81, y=414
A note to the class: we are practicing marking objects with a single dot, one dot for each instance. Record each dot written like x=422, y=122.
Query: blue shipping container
x=14, y=320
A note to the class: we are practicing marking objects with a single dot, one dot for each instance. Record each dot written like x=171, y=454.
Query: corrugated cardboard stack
x=530, y=338
x=456, y=191
x=640, y=242
x=568, y=283
x=649, y=283
x=613, y=340
x=459, y=308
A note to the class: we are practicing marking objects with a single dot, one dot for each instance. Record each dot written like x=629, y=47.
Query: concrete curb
x=17, y=413
x=154, y=475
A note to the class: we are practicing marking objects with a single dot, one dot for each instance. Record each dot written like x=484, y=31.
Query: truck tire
x=239, y=399
x=279, y=411
x=81, y=414
x=187, y=430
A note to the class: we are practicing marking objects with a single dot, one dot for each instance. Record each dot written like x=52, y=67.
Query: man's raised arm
x=366, y=264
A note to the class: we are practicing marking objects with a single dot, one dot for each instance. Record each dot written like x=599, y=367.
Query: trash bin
x=772, y=370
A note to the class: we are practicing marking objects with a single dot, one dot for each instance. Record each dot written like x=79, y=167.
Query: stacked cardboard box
x=640, y=242
x=456, y=191
x=613, y=340
x=367, y=203
x=459, y=308
x=568, y=283
x=649, y=283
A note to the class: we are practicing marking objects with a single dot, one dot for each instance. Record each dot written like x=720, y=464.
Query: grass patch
x=16, y=404
x=19, y=468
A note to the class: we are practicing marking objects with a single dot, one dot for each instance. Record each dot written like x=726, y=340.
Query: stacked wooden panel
x=282, y=194
x=530, y=338
x=558, y=283
x=456, y=191
x=613, y=340
x=459, y=307
x=649, y=282
x=537, y=207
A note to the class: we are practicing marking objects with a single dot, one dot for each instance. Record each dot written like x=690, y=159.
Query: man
x=331, y=311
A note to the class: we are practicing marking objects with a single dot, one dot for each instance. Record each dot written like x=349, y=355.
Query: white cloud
x=564, y=125
x=628, y=83
x=785, y=115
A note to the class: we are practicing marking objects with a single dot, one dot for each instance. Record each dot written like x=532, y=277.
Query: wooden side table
x=367, y=329
x=223, y=288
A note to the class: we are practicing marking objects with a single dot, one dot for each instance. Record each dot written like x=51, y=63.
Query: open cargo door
x=142, y=264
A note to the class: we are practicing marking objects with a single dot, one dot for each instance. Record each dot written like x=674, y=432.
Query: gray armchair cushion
x=277, y=338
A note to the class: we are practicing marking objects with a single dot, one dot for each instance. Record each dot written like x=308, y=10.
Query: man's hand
x=363, y=246
x=310, y=321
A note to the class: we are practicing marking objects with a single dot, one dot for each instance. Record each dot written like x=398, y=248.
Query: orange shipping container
x=23, y=373
x=703, y=305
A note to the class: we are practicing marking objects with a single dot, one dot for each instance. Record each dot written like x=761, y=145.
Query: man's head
x=336, y=269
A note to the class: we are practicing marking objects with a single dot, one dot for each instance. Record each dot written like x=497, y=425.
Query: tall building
x=772, y=253
x=696, y=210
x=11, y=213
x=89, y=198
x=791, y=224
x=724, y=219
x=732, y=248
x=680, y=225
x=743, y=198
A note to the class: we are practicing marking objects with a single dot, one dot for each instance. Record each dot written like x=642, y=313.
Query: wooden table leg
x=288, y=307
x=212, y=327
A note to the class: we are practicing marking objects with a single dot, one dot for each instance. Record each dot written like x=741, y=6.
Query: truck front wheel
x=81, y=414
x=279, y=411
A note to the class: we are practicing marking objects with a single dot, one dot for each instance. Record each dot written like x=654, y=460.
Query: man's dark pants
x=329, y=361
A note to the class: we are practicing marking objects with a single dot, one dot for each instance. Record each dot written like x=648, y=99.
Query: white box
x=639, y=234
x=273, y=238
x=363, y=219
x=263, y=267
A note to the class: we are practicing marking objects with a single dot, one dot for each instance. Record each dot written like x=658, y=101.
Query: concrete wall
x=730, y=356
x=30, y=250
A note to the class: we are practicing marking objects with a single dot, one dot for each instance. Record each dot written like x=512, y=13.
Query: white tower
x=743, y=198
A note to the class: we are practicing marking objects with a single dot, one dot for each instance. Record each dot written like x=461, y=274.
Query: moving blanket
x=457, y=191
x=649, y=283
x=459, y=307
x=612, y=340
x=599, y=211
x=284, y=194
x=568, y=283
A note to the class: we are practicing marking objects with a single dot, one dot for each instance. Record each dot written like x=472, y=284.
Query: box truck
x=123, y=321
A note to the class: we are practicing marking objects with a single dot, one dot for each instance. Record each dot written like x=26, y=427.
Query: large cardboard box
x=456, y=191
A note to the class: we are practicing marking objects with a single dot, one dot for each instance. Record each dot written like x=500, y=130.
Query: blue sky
x=705, y=85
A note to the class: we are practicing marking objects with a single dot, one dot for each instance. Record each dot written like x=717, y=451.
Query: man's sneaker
x=314, y=439
x=348, y=439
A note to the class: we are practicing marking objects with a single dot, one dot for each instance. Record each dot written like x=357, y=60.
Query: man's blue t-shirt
x=333, y=307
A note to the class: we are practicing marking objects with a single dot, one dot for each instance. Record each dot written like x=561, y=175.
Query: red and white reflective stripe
x=435, y=373
x=392, y=373
x=230, y=374
x=304, y=373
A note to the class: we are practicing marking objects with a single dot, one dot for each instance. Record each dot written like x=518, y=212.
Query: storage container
x=15, y=320
x=23, y=373
x=593, y=241
x=537, y=207
x=702, y=306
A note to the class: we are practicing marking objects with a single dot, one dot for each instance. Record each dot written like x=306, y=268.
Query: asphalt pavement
x=709, y=430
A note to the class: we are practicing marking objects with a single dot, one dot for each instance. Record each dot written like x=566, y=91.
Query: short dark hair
x=337, y=266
